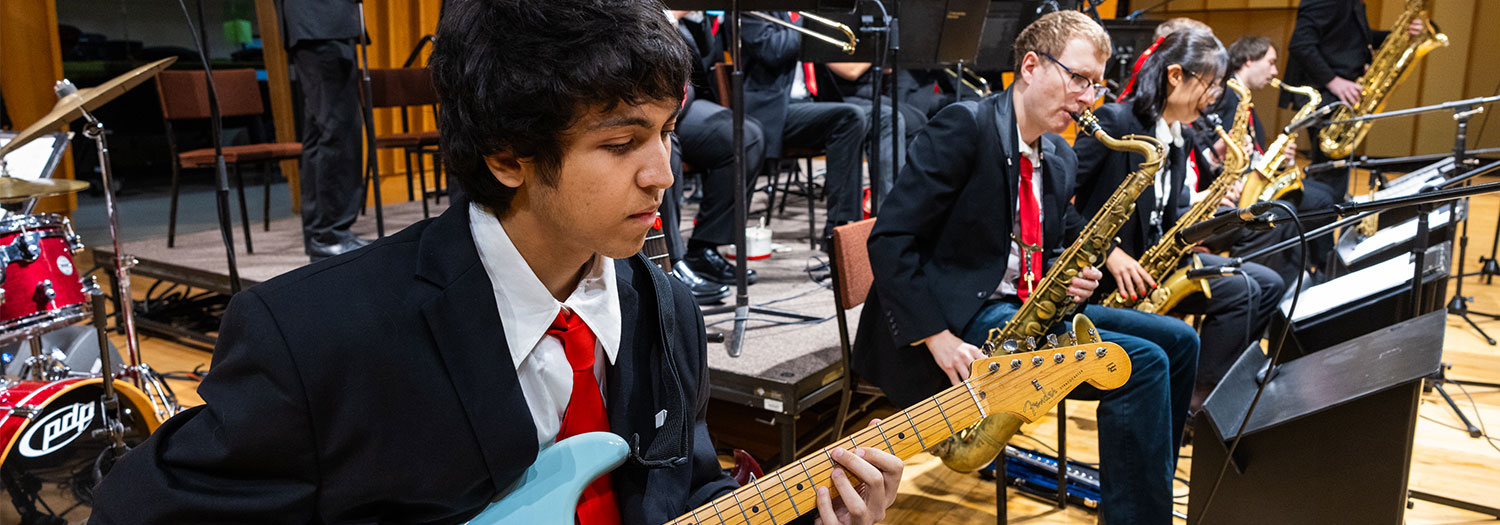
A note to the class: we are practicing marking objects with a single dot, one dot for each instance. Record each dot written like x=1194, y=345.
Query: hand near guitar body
x=866, y=504
x=953, y=355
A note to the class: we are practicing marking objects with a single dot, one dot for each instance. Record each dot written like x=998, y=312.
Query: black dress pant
x=840, y=128
x=706, y=132
x=1233, y=318
x=332, y=138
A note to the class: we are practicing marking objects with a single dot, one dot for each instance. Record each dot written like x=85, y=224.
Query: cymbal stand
x=94, y=130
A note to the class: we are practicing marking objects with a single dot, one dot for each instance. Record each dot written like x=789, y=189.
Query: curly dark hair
x=515, y=75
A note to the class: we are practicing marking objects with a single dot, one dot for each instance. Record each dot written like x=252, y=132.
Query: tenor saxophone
x=1160, y=261
x=978, y=445
x=1391, y=64
x=1272, y=180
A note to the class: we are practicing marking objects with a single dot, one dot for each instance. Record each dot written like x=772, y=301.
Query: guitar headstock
x=1028, y=384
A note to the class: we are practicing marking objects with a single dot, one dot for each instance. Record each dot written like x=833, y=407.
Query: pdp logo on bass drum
x=56, y=429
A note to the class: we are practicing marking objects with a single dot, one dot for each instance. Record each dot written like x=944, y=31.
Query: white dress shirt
x=1011, y=281
x=527, y=309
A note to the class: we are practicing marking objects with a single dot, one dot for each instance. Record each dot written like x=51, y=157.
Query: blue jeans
x=1140, y=423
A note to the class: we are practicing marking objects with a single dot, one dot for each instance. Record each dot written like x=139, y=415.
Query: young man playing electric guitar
x=415, y=380
x=947, y=269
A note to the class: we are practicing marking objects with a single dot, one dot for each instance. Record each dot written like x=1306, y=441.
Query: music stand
x=35, y=160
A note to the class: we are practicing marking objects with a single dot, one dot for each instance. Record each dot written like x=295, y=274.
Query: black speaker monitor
x=1330, y=439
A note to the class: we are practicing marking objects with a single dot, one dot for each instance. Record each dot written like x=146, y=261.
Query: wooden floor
x=1446, y=461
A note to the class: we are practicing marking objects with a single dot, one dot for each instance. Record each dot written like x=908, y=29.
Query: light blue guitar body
x=548, y=492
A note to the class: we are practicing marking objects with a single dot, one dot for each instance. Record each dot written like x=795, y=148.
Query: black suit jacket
x=1225, y=111
x=1331, y=38
x=318, y=20
x=377, y=387
x=770, y=52
x=1102, y=170
x=942, y=242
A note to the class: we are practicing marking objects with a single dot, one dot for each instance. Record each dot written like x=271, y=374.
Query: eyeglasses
x=1077, y=82
x=1215, y=90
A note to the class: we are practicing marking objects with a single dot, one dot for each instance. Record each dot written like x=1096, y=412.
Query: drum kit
x=67, y=414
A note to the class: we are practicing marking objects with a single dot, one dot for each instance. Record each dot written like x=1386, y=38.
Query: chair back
x=721, y=77
x=184, y=94
x=405, y=86
x=851, y=264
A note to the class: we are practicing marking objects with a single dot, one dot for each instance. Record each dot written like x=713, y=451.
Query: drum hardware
x=26, y=411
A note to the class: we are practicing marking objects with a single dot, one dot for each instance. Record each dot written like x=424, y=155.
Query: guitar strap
x=670, y=446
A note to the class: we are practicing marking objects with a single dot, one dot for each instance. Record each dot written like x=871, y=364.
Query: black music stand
x=1424, y=202
x=1462, y=110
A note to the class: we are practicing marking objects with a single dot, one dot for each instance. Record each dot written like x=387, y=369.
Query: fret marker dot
x=900, y=435
x=799, y=486
x=754, y=509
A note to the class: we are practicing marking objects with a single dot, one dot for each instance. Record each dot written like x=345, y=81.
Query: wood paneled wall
x=1461, y=70
x=32, y=63
x=395, y=27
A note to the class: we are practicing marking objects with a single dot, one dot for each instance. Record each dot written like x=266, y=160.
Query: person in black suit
x=1330, y=48
x=1252, y=60
x=414, y=381
x=320, y=39
x=776, y=95
x=946, y=269
x=1179, y=80
x=855, y=83
x=706, y=130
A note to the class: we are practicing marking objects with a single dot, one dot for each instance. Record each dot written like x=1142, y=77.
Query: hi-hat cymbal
x=67, y=108
x=13, y=189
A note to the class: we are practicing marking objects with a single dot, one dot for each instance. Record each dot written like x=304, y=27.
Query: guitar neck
x=781, y=496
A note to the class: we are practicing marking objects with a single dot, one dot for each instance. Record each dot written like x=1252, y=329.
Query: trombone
x=983, y=89
x=847, y=47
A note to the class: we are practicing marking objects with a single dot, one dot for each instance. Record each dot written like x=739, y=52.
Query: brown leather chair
x=849, y=262
x=184, y=96
x=409, y=89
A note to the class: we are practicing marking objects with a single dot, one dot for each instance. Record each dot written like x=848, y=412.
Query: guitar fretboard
x=787, y=493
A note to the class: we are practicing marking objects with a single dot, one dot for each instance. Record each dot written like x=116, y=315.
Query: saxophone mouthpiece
x=1087, y=122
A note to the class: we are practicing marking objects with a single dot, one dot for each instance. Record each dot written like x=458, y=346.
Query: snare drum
x=41, y=285
x=51, y=446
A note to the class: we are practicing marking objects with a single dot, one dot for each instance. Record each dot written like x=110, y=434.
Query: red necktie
x=585, y=413
x=1031, y=230
x=809, y=78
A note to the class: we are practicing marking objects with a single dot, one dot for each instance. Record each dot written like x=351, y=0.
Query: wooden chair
x=409, y=90
x=849, y=263
x=184, y=96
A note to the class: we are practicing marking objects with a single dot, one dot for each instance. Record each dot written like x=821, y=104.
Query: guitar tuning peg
x=988, y=348
x=1010, y=346
x=1052, y=340
x=1030, y=343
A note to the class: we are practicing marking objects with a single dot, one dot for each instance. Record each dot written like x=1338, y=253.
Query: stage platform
x=786, y=380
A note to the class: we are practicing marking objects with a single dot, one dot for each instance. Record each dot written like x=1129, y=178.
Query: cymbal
x=90, y=99
x=13, y=189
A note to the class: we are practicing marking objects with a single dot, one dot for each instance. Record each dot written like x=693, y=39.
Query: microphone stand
x=221, y=179
x=367, y=100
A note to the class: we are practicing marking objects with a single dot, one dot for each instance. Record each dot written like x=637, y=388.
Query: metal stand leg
x=1002, y=514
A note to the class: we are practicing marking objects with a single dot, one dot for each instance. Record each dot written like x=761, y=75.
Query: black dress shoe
x=708, y=264
x=318, y=251
x=704, y=291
